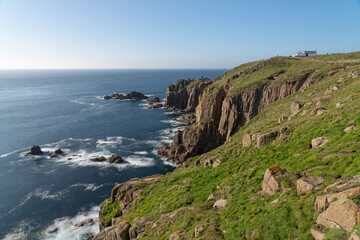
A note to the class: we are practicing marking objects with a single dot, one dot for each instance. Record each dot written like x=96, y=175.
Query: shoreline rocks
x=133, y=95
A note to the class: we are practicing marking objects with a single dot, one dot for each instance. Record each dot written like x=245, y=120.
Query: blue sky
x=170, y=33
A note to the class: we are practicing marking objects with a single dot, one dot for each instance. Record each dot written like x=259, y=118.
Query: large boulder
x=295, y=107
x=307, y=184
x=220, y=204
x=270, y=182
x=319, y=142
x=36, y=150
x=265, y=138
x=341, y=214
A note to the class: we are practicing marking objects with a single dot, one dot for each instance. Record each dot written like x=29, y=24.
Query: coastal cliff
x=280, y=156
x=223, y=110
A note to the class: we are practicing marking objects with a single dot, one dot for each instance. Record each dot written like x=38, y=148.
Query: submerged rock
x=89, y=221
x=158, y=105
x=114, y=159
x=153, y=100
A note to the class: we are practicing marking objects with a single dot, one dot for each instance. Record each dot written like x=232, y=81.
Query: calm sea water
x=62, y=109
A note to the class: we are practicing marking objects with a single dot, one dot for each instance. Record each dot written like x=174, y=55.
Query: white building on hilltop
x=305, y=54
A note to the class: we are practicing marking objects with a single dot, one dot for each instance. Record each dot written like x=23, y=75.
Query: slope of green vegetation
x=338, y=56
x=238, y=179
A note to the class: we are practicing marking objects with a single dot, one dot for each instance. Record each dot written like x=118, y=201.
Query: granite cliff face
x=222, y=111
x=184, y=95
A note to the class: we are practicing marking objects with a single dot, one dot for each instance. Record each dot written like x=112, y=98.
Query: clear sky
x=170, y=33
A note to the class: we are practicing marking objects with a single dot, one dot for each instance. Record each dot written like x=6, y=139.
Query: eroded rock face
x=184, y=95
x=188, y=119
x=194, y=140
x=319, y=142
x=341, y=214
x=307, y=184
x=270, y=182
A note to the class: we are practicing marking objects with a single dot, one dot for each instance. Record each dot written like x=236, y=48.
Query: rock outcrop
x=187, y=118
x=124, y=194
x=116, y=232
x=184, y=95
x=270, y=182
x=153, y=100
x=154, y=106
x=307, y=184
x=36, y=150
x=319, y=142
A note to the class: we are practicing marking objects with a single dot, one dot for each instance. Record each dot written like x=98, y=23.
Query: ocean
x=43, y=197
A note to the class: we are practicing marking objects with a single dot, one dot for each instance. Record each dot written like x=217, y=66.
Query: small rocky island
x=133, y=95
x=36, y=151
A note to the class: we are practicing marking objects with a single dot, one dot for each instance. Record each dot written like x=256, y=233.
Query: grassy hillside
x=238, y=179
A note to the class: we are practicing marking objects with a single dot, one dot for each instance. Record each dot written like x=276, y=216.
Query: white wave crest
x=64, y=228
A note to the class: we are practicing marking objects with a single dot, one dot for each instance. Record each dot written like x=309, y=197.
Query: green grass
x=239, y=176
x=338, y=56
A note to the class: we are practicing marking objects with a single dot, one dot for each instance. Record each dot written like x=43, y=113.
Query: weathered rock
x=114, y=159
x=318, y=111
x=216, y=163
x=220, y=204
x=270, y=182
x=339, y=105
x=319, y=142
x=306, y=184
x=117, y=232
x=89, y=221
x=281, y=119
x=177, y=235
x=246, y=140
x=199, y=230
x=53, y=230
x=324, y=200
x=295, y=107
x=153, y=100
x=318, y=235
x=154, y=106
x=283, y=130
x=265, y=138
x=341, y=214
x=212, y=196
x=188, y=119
x=36, y=150
x=350, y=128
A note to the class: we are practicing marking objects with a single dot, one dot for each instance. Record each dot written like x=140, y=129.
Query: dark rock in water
x=88, y=221
x=52, y=154
x=36, y=150
x=114, y=159
x=131, y=96
x=158, y=105
x=53, y=230
x=153, y=100
x=59, y=151
x=135, y=96
x=98, y=159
